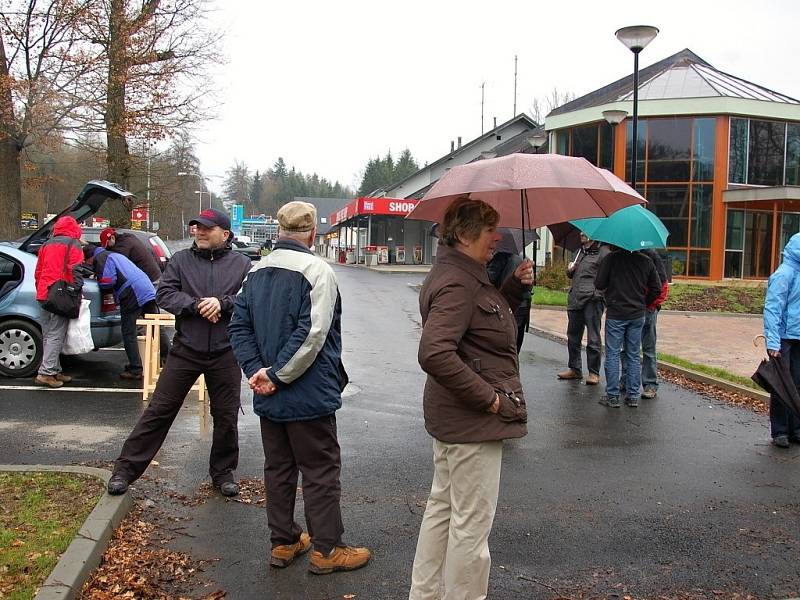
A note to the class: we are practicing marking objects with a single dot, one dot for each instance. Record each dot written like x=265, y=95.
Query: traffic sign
x=139, y=214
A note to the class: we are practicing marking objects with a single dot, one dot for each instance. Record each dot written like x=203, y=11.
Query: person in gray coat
x=585, y=308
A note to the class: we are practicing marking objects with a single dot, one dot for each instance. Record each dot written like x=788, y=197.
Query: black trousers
x=311, y=448
x=183, y=367
x=588, y=317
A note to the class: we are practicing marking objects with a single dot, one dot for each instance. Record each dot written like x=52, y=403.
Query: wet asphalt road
x=680, y=496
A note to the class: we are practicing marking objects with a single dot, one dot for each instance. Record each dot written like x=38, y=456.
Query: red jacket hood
x=69, y=227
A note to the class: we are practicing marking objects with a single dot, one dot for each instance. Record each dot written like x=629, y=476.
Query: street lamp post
x=200, y=207
x=635, y=38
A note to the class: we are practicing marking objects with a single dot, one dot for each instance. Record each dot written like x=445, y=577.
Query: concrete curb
x=688, y=373
x=83, y=555
x=686, y=313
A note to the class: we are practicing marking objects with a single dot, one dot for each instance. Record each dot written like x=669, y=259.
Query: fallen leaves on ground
x=715, y=393
x=134, y=566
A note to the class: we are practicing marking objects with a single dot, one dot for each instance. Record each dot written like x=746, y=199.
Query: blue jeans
x=629, y=334
x=782, y=420
x=649, y=359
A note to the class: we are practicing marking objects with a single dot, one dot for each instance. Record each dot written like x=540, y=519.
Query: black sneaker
x=117, y=485
x=781, y=441
x=632, y=402
x=610, y=401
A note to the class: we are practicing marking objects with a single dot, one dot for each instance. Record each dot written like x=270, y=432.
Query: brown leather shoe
x=131, y=376
x=48, y=380
x=284, y=555
x=63, y=378
x=341, y=558
x=592, y=379
x=569, y=374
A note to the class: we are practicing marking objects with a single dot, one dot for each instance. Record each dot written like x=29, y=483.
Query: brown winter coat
x=468, y=349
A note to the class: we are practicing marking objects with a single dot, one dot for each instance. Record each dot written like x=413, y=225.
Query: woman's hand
x=495, y=405
x=524, y=272
x=774, y=353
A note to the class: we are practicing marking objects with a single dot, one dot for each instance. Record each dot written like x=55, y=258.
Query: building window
x=675, y=174
x=748, y=244
x=737, y=156
x=793, y=154
x=764, y=152
x=594, y=142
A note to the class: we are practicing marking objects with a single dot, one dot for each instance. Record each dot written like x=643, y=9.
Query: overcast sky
x=327, y=85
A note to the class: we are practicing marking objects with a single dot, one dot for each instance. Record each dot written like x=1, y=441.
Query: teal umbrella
x=632, y=228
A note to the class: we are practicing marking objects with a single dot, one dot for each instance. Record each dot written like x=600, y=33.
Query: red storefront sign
x=373, y=206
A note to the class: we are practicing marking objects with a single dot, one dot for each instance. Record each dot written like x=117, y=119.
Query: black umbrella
x=774, y=376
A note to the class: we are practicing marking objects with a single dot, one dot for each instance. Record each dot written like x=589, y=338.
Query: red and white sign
x=373, y=206
x=139, y=214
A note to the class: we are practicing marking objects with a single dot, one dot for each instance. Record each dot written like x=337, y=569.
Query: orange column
x=717, y=207
x=620, y=135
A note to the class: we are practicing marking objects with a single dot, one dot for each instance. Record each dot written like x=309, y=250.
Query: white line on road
x=41, y=388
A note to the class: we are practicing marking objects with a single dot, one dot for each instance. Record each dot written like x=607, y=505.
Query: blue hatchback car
x=20, y=333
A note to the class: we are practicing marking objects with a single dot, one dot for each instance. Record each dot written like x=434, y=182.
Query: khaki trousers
x=453, y=546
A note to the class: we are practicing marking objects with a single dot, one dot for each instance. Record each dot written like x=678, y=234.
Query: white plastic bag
x=79, y=332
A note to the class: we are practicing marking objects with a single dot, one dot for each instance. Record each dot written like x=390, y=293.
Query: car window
x=10, y=274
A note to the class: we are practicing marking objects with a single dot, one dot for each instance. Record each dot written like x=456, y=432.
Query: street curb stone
x=83, y=554
x=688, y=373
x=663, y=311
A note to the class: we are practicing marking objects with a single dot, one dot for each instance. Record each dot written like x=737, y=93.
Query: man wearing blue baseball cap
x=198, y=287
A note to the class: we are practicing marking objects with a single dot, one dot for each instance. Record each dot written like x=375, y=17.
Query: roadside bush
x=553, y=276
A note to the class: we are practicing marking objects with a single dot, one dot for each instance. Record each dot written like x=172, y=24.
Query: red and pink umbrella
x=530, y=190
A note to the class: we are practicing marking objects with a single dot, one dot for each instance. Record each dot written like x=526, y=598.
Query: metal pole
x=634, y=153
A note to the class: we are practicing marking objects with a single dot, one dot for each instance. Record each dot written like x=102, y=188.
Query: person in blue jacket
x=135, y=296
x=286, y=334
x=782, y=330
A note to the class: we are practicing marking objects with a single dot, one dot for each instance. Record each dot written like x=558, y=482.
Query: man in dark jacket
x=584, y=311
x=135, y=295
x=504, y=262
x=57, y=260
x=630, y=283
x=198, y=287
x=131, y=247
x=286, y=334
x=649, y=334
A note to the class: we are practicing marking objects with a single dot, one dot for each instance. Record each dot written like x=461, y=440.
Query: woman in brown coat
x=472, y=401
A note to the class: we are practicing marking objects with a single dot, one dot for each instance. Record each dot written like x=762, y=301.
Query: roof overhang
x=755, y=194
x=680, y=107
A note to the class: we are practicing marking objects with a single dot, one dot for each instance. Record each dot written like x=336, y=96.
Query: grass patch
x=40, y=513
x=546, y=297
x=712, y=371
x=715, y=298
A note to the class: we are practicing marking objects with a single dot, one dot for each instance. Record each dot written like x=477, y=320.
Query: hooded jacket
x=193, y=274
x=782, y=305
x=131, y=286
x=50, y=261
x=131, y=247
x=287, y=319
x=469, y=351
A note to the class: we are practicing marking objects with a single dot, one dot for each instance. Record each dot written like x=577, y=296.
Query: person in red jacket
x=57, y=259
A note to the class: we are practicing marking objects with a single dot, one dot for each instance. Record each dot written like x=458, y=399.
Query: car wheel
x=20, y=348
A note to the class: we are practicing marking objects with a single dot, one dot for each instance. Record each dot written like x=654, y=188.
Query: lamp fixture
x=615, y=117
x=537, y=140
x=636, y=37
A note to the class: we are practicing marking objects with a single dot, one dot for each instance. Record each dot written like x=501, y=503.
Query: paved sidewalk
x=725, y=342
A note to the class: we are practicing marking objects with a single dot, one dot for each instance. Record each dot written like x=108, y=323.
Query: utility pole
x=482, y=97
x=514, y=114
